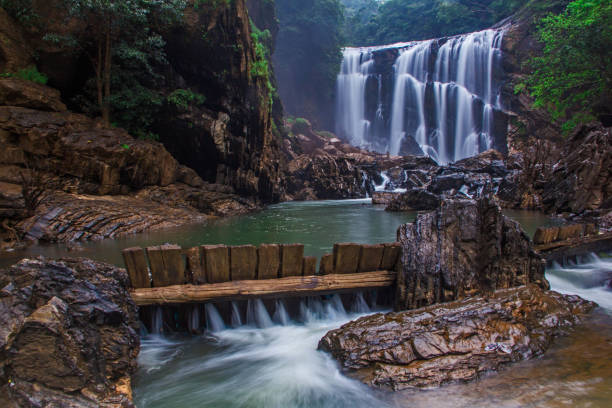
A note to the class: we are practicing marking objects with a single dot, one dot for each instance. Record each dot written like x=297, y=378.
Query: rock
x=15, y=53
x=28, y=94
x=68, y=334
x=414, y=200
x=582, y=179
x=456, y=341
x=462, y=248
x=383, y=197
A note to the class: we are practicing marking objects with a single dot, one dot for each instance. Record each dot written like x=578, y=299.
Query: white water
x=586, y=279
x=448, y=108
x=274, y=366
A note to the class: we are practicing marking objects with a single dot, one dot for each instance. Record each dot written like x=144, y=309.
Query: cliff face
x=228, y=139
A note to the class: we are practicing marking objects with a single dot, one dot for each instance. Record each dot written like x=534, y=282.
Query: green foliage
x=572, y=78
x=20, y=10
x=391, y=21
x=214, y=3
x=260, y=67
x=29, y=74
x=183, y=98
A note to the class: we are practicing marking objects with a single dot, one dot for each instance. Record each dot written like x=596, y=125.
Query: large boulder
x=456, y=341
x=68, y=334
x=462, y=248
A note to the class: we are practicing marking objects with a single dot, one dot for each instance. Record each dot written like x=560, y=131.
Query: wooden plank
x=326, y=267
x=194, y=266
x=291, y=260
x=282, y=287
x=391, y=256
x=136, y=265
x=310, y=266
x=243, y=262
x=371, y=257
x=174, y=264
x=216, y=261
x=346, y=257
x=156, y=262
x=268, y=261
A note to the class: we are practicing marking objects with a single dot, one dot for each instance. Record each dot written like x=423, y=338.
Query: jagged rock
x=414, y=200
x=27, y=94
x=15, y=54
x=582, y=179
x=462, y=248
x=68, y=334
x=455, y=341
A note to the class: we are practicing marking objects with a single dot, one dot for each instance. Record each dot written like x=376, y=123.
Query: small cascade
x=214, y=321
x=236, y=319
x=280, y=314
x=360, y=305
x=193, y=319
x=334, y=309
x=157, y=321
x=257, y=315
x=445, y=94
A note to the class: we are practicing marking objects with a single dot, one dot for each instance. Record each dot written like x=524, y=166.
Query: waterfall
x=351, y=91
x=445, y=94
x=257, y=315
x=280, y=314
x=236, y=319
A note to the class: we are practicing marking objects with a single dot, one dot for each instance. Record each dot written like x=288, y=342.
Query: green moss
x=29, y=74
x=261, y=67
x=184, y=98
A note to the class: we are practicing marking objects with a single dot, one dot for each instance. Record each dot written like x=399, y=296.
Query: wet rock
x=456, y=341
x=383, y=197
x=582, y=179
x=462, y=248
x=28, y=94
x=68, y=334
x=414, y=200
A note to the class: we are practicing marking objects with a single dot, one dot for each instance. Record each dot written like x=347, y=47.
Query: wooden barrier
x=548, y=235
x=246, y=270
x=282, y=287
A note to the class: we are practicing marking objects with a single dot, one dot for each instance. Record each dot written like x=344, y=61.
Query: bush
x=301, y=126
x=29, y=74
x=183, y=98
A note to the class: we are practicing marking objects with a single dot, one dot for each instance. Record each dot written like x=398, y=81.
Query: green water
x=316, y=224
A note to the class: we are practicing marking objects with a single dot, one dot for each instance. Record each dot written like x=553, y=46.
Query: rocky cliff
x=68, y=335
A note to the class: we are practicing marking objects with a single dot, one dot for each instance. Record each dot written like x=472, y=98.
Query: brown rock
x=68, y=334
x=28, y=94
x=456, y=341
x=463, y=247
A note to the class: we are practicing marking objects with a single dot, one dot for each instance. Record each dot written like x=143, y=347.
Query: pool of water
x=316, y=224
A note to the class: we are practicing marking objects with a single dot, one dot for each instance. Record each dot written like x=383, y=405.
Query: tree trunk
x=107, y=79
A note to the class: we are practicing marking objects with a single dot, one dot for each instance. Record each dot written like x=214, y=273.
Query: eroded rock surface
x=68, y=334
x=455, y=341
x=462, y=248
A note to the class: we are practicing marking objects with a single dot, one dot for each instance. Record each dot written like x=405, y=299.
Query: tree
x=572, y=78
x=109, y=27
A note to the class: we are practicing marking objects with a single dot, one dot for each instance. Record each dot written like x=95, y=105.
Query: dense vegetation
x=307, y=56
x=374, y=22
x=572, y=78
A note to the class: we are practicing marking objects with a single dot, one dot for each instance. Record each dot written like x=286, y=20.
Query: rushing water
x=444, y=95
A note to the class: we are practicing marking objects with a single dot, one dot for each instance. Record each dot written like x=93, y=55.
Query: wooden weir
x=168, y=274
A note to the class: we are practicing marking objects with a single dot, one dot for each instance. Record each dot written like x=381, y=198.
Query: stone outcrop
x=68, y=334
x=321, y=166
x=427, y=184
x=455, y=341
x=464, y=247
x=14, y=51
x=582, y=179
x=94, y=182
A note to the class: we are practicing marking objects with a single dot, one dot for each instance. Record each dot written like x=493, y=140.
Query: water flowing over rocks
x=68, y=334
x=464, y=247
x=456, y=341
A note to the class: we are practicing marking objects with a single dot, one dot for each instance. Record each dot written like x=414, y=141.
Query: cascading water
x=444, y=96
x=351, y=90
